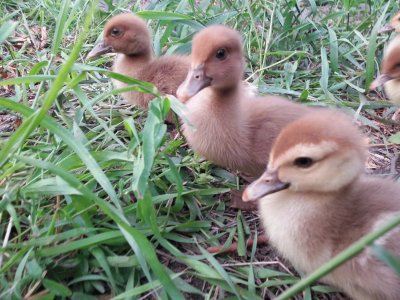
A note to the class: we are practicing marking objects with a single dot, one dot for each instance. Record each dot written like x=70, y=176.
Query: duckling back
x=166, y=73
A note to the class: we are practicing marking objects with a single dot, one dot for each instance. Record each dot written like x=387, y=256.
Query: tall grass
x=97, y=198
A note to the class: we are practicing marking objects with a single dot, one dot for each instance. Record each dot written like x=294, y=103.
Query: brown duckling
x=229, y=125
x=129, y=36
x=315, y=200
x=390, y=72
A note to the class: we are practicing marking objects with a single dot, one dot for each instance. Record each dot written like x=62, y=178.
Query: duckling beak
x=386, y=28
x=380, y=80
x=99, y=49
x=268, y=183
x=195, y=81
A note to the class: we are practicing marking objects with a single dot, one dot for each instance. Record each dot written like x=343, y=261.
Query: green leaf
x=241, y=249
x=30, y=123
x=220, y=271
x=60, y=26
x=6, y=29
x=136, y=239
x=395, y=138
x=334, y=50
x=57, y=288
x=370, y=68
x=163, y=15
x=152, y=135
x=387, y=257
x=69, y=139
x=26, y=79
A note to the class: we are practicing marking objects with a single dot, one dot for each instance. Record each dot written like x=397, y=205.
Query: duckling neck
x=218, y=132
x=131, y=64
x=228, y=93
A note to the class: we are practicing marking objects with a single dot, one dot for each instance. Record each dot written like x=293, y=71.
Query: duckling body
x=226, y=119
x=129, y=36
x=315, y=201
x=308, y=236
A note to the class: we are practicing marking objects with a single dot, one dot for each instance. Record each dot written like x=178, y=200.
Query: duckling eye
x=221, y=54
x=303, y=162
x=115, y=31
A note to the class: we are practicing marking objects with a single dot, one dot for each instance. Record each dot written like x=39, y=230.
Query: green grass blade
x=22, y=133
x=134, y=237
x=370, y=67
x=26, y=79
x=60, y=26
x=72, y=142
x=6, y=29
x=387, y=257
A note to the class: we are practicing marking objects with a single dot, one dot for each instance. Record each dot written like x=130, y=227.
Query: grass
x=98, y=198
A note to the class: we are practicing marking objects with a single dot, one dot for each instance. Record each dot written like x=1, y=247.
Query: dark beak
x=386, y=28
x=100, y=49
x=268, y=183
x=380, y=80
x=195, y=81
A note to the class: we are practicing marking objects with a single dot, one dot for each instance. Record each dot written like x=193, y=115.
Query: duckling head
x=390, y=67
x=393, y=26
x=216, y=61
x=321, y=153
x=124, y=33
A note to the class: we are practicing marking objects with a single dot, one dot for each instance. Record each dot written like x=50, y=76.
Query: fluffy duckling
x=390, y=72
x=129, y=36
x=315, y=201
x=390, y=67
x=228, y=124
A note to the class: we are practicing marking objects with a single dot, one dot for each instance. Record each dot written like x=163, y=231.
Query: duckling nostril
x=197, y=76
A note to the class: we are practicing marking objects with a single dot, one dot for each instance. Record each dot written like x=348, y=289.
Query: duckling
x=315, y=200
x=390, y=72
x=390, y=75
x=227, y=124
x=129, y=36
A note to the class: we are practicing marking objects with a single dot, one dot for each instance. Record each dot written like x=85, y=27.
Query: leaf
x=163, y=15
x=152, y=135
x=69, y=139
x=325, y=75
x=26, y=79
x=30, y=123
x=395, y=138
x=60, y=26
x=241, y=249
x=387, y=257
x=57, y=288
x=136, y=239
x=333, y=53
x=6, y=29
x=370, y=67
x=220, y=270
